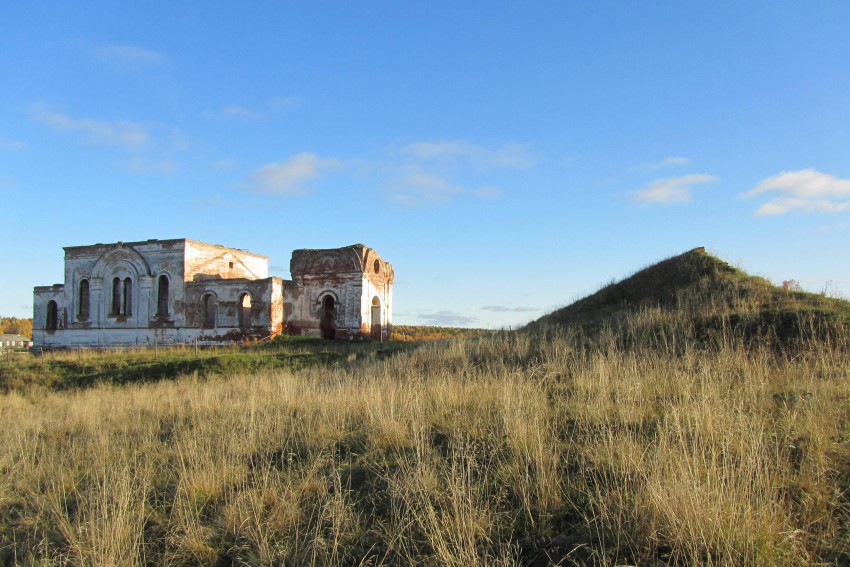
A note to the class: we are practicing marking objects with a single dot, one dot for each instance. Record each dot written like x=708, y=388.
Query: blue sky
x=507, y=158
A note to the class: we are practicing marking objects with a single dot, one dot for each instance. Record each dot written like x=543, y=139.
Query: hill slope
x=708, y=295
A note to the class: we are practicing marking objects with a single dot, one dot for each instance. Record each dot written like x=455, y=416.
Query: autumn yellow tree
x=15, y=326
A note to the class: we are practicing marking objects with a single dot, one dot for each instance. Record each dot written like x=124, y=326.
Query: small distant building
x=185, y=291
x=14, y=342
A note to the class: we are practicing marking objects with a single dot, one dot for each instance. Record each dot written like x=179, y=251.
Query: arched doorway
x=210, y=308
x=327, y=322
x=376, y=318
x=244, y=308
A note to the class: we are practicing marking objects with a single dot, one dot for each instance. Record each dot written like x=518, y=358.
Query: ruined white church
x=183, y=291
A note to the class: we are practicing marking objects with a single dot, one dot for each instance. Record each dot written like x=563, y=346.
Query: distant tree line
x=433, y=333
x=15, y=326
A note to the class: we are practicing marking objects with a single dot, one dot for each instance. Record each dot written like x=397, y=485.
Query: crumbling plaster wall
x=42, y=295
x=304, y=303
x=139, y=323
x=353, y=276
x=265, y=317
x=212, y=261
x=143, y=262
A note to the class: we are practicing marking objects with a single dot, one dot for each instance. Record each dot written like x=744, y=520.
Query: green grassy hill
x=698, y=290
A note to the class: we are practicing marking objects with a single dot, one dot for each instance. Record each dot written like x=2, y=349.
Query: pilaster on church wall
x=96, y=302
x=147, y=301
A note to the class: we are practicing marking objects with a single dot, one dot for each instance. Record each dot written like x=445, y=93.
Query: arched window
x=52, y=321
x=162, y=297
x=210, y=307
x=128, y=297
x=244, y=308
x=83, y=301
x=116, y=297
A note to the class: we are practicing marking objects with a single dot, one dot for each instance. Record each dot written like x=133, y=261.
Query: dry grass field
x=502, y=450
x=652, y=444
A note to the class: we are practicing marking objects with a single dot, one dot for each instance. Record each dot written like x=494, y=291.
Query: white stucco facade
x=185, y=291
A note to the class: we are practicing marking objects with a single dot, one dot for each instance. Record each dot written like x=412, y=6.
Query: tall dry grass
x=511, y=449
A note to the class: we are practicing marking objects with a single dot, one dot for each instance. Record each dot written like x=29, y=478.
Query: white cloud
x=6, y=144
x=122, y=133
x=127, y=55
x=418, y=175
x=668, y=162
x=289, y=177
x=428, y=171
x=515, y=156
x=806, y=190
x=416, y=187
x=671, y=189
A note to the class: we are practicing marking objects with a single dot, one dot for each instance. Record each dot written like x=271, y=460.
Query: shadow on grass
x=74, y=370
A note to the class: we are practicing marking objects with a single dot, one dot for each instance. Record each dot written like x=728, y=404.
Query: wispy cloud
x=428, y=173
x=506, y=309
x=289, y=177
x=128, y=55
x=121, y=133
x=668, y=162
x=11, y=145
x=670, y=190
x=507, y=156
x=807, y=190
x=415, y=187
x=417, y=175
x=445, y=318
